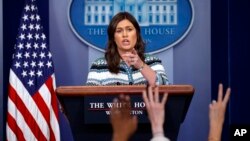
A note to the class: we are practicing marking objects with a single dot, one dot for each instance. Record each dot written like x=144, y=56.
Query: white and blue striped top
x=100, y=75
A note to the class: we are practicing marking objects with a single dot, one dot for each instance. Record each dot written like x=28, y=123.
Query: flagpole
x=1, y=73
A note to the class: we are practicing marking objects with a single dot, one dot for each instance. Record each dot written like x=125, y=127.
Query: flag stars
x=17, y=65
x=49, y=64
x=29, y=36
x=27, y=8
x=34, y=55
x=40, y=64
x=24, y=73
x=22, y=36
x=32, y=73
x=32, y=17
x=25, y=64
x=20, y=46
x=39, y=73
x=37, y=36
x=31, y=58
x=49, y=55
x=43, y=36
x=19, y=55
x=25, y=17
x=35, y=45
x=30, y=83
x=33, y=8
x=37, y=27
x=42, y=55
x=28, y=45
x=31, y=26
x=38, y=17
x=24, y=27
x=27, y=55
x=43, y=46
x=33, y=64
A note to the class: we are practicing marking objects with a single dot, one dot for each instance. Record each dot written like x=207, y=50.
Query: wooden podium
x=72, y=99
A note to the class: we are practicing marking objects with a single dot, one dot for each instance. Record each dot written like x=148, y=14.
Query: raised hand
x=217, y=111
x=156, y=109
x=123, y=123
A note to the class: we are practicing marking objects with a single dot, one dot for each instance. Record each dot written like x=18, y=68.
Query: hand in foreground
x=217, y=111
x=156, y=109
x=123, y=123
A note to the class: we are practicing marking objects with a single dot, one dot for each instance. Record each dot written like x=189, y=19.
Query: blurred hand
x=123, y=123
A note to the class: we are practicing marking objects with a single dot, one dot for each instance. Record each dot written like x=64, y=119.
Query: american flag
x=33, y=112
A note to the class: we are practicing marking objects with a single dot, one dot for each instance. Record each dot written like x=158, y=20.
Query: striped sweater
x=100, y=75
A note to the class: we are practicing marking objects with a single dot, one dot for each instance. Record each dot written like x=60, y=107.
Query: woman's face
x=125, y=36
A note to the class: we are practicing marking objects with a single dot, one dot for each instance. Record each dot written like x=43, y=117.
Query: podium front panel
x=87, y=109
x=97, y=108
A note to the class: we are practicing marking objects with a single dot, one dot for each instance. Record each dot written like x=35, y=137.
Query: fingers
x=125, y=104
x=129, y=55
x=121, y=106
x=145, y=98
x=211, y=106
x=135, y=119
x=220, y=92
x=156, y=94
x=134, y=51
x=214, y=101
x=151, y=96
x=164, y=99
x=115, y=101
x=132, y=58
x=114, y=110
x=226, y=98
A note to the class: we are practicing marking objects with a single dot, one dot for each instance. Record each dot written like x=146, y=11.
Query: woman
x=125, y=62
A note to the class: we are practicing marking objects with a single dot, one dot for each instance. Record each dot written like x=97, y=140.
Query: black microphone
x=118, y=83
x=130, y=83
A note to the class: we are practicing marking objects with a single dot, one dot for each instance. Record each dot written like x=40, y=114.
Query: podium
x=72, y=100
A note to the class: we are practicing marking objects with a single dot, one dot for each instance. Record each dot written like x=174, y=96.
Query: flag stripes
x=41, y=128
